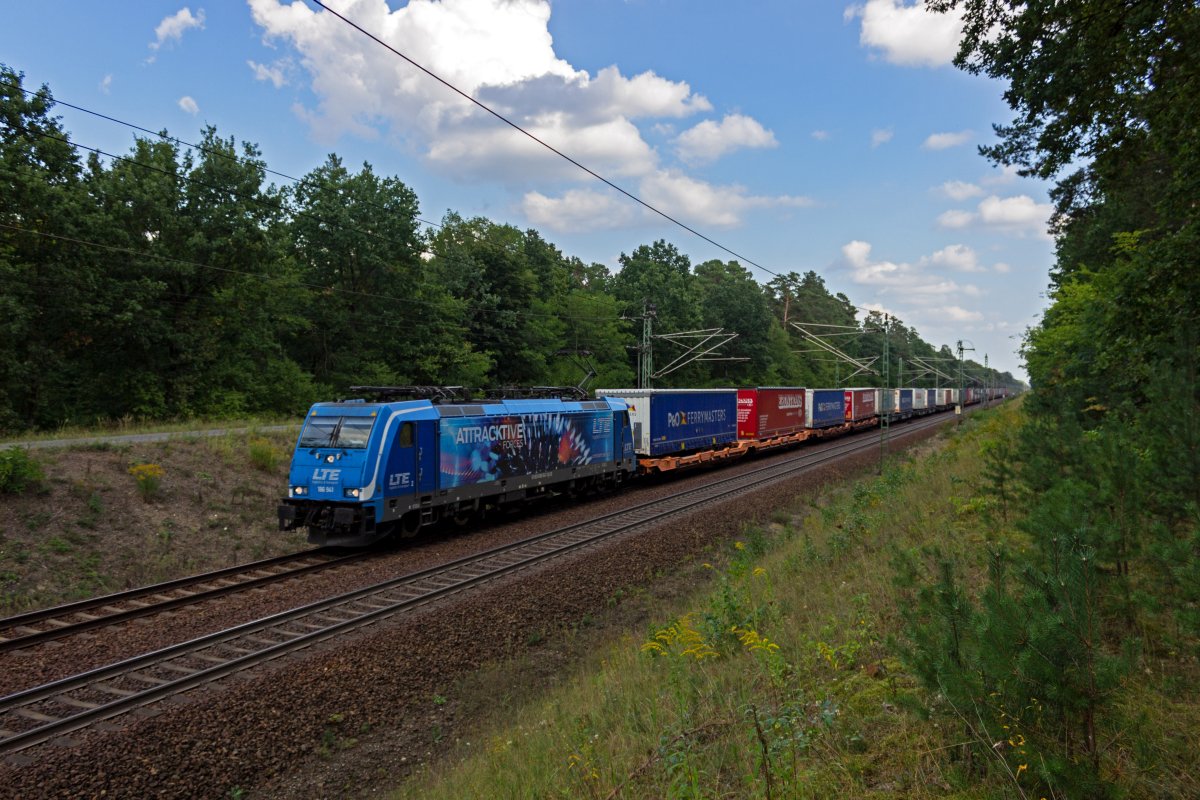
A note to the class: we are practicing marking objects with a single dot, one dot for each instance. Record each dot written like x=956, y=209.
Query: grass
x=778, y=681
x=782, y=678
x=132, y=426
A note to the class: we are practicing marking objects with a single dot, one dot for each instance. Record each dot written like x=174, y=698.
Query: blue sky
x=827, y=136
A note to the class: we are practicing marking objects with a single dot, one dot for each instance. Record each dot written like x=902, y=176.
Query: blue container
x=824, y=408
x=905, y=404
x=673, y=421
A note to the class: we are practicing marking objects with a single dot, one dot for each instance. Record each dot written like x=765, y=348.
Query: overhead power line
x=542, y=142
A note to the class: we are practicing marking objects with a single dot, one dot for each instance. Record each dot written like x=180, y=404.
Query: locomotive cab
x=357, y=469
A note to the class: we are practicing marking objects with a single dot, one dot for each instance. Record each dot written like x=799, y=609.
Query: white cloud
x=960, y=190
x=173, y=27
x=956, y=218
x=724, y=206
x=958, y=257
x=1002, y=268
x=944, y=141
x=274, y=73
x=1006, y=175
x=881, y=136
x=908, y=35
x=579, y=209
x=106, y=84
x=189, y=105
x=710, y=140
x=1018, y=215
x=912, y=284
x=499, y=51
x=820, y=135
x=955, y=314
x=681, y=196
x=481, y=148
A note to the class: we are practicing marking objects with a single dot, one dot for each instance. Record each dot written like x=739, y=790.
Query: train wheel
x=408, y=525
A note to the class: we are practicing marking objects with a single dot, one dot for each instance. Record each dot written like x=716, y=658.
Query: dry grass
x=108, y=517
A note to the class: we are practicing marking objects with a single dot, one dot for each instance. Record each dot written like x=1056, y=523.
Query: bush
x=18, y=471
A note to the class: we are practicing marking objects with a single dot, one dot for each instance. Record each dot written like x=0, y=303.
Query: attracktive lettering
x=512, y=432
x=791, y=401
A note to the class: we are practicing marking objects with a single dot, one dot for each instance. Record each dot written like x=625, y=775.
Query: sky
x=818, y=135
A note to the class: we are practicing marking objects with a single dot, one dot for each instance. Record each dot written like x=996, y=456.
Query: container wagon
x=920, y=401
x=824, y=408
x=771, y=414
x=673, y=428
x=902, y=403
x=861, y=404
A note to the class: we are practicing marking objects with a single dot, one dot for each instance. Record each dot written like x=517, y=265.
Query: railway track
x=44, y=713
x=35, y=627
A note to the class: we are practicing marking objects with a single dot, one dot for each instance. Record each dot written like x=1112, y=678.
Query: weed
x=149, y=479
x=58, y=545
x=18, y=471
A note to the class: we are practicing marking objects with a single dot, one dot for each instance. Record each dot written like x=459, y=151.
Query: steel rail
x=19, y=631
x=56, y=708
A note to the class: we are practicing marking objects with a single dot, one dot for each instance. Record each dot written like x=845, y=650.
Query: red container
x=764, y=413
x=860, y=404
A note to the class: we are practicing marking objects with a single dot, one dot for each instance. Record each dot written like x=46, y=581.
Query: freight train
x=364, y=470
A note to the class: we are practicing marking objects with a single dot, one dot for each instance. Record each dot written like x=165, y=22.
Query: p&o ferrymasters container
x=902, y=402
x=824, y=408
x=860, y=404
x=770, y=411
x=672, y=421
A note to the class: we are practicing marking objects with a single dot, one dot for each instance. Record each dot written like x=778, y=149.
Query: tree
x=47, y=280
x=731, y=299
x=378, y=313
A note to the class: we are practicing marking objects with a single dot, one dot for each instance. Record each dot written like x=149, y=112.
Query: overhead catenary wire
x=280, y=206
x=302, y=181
x=542, y=142
x=262, y=165
x=259, y=164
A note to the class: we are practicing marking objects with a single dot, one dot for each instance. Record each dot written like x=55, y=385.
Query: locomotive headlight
x=297, y=490
x=351, y=492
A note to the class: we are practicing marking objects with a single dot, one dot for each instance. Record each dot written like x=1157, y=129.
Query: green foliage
x=1026, y=665
x=176, y=283
x=1107, y=467
x=18, y=471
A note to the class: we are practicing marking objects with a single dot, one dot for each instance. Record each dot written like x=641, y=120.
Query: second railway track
x=24, y=630
x=43, y=713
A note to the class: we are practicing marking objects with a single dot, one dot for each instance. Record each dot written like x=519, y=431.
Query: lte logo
x=326, y=474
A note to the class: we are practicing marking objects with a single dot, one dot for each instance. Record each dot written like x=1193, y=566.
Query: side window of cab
x=405, y=439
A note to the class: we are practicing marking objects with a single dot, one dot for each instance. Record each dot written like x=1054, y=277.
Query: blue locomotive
x=363, y=470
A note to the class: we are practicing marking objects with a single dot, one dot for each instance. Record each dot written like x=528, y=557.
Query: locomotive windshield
x=350, y=433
